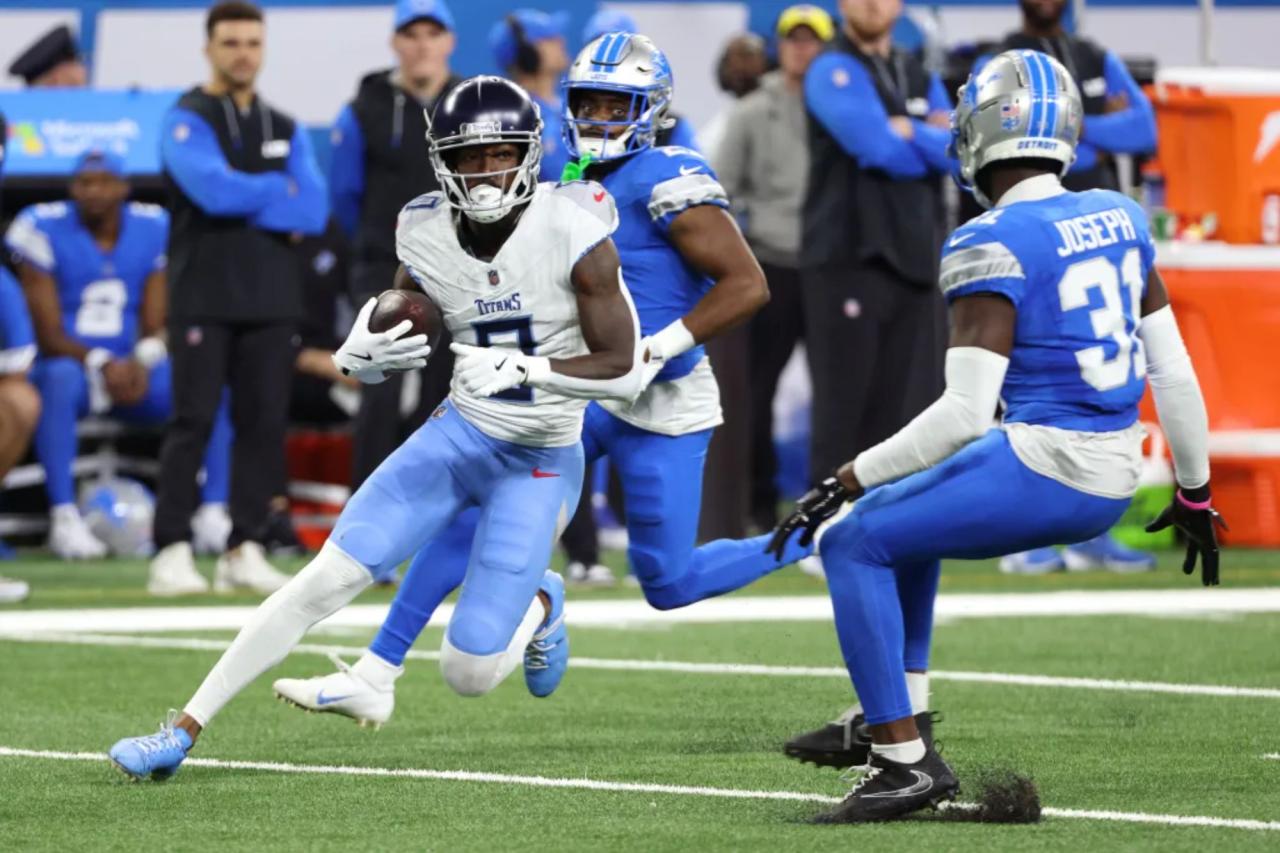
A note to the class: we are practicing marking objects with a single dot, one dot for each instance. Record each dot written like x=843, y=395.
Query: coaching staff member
x=242, y=185
x=872, y=312
x=380, y=164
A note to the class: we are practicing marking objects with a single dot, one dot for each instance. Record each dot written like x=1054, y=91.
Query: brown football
x=412, y=305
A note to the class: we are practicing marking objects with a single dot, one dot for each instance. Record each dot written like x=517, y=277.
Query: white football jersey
x=521, y=300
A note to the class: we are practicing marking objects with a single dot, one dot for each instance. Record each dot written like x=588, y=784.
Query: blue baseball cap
x=408, y=11
x=537, y=25
x=608, y=21
x=100, y=160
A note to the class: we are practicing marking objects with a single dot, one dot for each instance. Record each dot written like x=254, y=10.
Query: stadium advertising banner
x=50, y=128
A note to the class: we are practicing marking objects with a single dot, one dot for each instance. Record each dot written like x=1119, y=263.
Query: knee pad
x=365, y=542
x=850, y=537
x=468, y=674
x=325, y=585
x=480, y=628
x=667, y=597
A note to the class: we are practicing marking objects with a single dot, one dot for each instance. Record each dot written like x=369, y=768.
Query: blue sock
x=63, y=391
x=917, y=592
x=723, y=566
x=869, y=626
x=217, y=456
x=437, y=570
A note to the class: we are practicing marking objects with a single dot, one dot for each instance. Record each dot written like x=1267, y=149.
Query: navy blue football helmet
x=483, y=111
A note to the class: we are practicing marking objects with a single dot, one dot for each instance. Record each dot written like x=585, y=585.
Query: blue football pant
x=64, y=393
x=446, y=467
x=662, y=487
x=882, y=559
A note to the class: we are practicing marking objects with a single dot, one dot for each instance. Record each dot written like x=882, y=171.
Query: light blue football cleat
x=1106, y=553
x=1037, y=561
x=157, y=756
x=547, y=657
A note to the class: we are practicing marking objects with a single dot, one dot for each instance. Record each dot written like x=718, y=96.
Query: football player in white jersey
x=509, y=262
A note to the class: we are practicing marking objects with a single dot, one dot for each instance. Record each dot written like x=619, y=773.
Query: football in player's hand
x=395, y=306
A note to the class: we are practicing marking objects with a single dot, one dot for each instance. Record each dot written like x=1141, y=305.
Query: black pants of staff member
x=256, y=362
x=726, y=481
x=775, y=331
x=379, y=426
x=876, y=345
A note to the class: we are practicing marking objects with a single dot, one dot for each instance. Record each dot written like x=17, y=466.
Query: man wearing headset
x=528, y=46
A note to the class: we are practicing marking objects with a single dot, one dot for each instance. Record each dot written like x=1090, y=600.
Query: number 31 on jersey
x=1111, y=321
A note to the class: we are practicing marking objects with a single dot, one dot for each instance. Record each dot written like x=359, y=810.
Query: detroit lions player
x=692, y=277
x=529, y=283
x=1056, y=308
x=93, y=269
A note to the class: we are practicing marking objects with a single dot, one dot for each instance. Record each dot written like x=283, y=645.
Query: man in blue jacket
x=243, y=185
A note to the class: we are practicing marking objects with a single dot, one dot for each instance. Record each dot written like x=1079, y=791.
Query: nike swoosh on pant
x=923, y=783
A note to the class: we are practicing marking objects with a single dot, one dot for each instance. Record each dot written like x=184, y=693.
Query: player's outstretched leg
x=365, y=691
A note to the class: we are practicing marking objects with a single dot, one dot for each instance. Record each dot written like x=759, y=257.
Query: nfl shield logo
x=493, y=277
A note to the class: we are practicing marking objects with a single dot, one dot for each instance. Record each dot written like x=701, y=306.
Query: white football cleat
x=173, y=572
x=598, y=576
x=13, y=590
x=70, y=537
x=210, y=528
x=344, y=692
x=246, y=567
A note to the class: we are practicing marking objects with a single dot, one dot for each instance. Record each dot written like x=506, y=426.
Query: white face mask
x=489, y=199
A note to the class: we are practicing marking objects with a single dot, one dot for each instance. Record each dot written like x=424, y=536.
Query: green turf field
x=1128, y=748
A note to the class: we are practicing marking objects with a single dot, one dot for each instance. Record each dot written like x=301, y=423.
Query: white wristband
x=96, y=359
x=150, y=351
x=674, y=340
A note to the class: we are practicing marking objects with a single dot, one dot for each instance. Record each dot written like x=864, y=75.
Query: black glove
x=817, y=505
x=1196, y=519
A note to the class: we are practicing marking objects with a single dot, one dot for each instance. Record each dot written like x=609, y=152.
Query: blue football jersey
x=1075, y=265
x=17, y=340
x=100, y=292
x=651, y=188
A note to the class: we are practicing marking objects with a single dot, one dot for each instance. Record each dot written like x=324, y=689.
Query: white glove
x=658, y=348
x=653, y=363
x=369, y=356
x=485, y=371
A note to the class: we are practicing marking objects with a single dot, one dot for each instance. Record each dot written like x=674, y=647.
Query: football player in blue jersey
x=93, y=272
x=1056, y=308
x=692, y=276
x=19, y=401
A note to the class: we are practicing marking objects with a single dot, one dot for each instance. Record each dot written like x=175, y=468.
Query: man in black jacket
x=379, y=165
x=243, y=184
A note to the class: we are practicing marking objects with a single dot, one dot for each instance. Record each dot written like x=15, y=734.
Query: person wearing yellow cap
x=763, y=163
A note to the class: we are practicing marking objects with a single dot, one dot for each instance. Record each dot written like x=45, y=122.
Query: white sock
x=327, y=584
x=902, y=753
x=918, y=690
x=476, y=675
x=65, y=513
x=378, y=672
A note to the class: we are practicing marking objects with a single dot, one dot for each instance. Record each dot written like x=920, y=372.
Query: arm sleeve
x=686, y=181
x=190, y=153
x=839, y=93
x=1133, y=129
x=346, y=174
x=989, y=267
x=307, y=209
x=28, y=241
x=1179, y=403
x=962, y=414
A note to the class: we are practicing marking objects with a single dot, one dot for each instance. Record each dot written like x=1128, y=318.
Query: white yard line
x=1006, y=678
x=624, y=613
x=1272, y=756
x=624, y=787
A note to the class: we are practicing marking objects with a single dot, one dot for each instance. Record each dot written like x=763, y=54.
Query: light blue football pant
x=662, y=487
x=882, y=559
x=446, y=467
x=64, y=395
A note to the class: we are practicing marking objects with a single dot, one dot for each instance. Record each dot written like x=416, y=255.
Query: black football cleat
x=845, y=742
x=889, y=790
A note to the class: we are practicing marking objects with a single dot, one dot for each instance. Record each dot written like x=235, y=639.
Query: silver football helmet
x=1022, y=104
x=628, y=64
